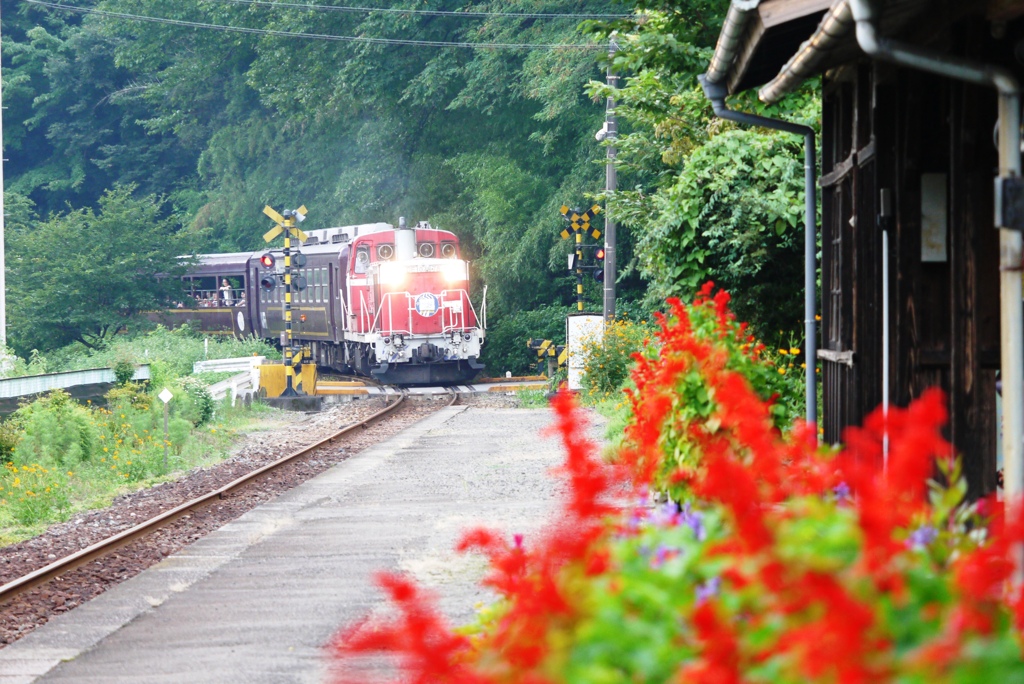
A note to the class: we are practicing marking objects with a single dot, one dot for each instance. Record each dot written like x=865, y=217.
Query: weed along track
x=74, y=561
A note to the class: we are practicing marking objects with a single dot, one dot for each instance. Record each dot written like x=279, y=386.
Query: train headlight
x=454, y=271
x=392, y=274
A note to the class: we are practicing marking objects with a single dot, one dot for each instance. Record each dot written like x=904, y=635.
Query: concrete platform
x=256, y=600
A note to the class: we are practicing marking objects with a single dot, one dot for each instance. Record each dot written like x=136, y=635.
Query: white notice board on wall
x=582, y=332
x=934, y=214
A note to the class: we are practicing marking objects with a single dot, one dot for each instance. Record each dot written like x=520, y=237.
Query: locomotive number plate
x=427, y=304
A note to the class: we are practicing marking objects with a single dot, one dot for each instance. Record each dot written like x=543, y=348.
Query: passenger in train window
x=225, y=293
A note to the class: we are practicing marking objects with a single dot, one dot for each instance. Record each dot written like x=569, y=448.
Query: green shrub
x=193, y=401
x=178, y=430
x=10, y=434
x=506, y=348
x=34, y=494
x=133, y=394
x=124, y=370
x=57, y=431
x=609, y=361
x=532, y=398
x=176, y=349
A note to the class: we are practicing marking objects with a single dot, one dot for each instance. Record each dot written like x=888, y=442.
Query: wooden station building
x=909, y=158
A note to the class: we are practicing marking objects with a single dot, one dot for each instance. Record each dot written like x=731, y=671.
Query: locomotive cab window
x=362, y=260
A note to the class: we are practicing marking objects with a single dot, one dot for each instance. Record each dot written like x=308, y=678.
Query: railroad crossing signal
x=580, y=222
x=556, y=354
x=579, y=225
x=286, y=226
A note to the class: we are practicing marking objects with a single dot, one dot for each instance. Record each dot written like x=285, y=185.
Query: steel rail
x=102, y=548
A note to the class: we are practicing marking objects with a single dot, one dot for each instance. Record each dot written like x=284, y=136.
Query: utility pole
x=3, y=255
x=610, y=131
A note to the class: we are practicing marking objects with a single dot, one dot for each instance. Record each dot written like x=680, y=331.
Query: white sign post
x=165, y=396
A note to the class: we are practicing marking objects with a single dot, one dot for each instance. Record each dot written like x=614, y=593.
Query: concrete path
x=256, y=600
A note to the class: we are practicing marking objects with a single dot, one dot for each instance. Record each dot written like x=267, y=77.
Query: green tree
x=705, y=198
x=81, y=275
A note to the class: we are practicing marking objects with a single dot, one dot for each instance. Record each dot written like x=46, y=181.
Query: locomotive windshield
x=362, y=260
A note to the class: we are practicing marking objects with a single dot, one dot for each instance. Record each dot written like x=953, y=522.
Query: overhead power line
x=427, y=12
x=317, y=36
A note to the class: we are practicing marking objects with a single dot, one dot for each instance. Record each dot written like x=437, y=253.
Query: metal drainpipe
x=1010, y=248
x=716, y=92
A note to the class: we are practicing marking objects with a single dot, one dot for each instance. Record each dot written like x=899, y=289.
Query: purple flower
x=708, y=589
x=694, y=520
x=842, y=492
x=665, y=515
x=663, y=553
x=922, y=537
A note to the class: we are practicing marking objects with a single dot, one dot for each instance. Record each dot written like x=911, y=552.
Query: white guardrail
x=37, y=384
x=246, y=381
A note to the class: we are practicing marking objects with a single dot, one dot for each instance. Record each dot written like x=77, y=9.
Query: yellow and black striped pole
x=289, y=372
x=579, y=270
x=286, y=226
x=579, y=224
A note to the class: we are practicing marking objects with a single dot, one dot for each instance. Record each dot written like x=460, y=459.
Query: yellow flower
x=122, y=415
x=794, y=350
x=105, y=449
x=17, y=482
x=213, y=429
x=817, y=317
x=783, y=352
x=128, y=462
x=70, y=474
x=803, y=365
x=782, y=371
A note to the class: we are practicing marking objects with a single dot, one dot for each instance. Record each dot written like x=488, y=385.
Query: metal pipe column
x=716, y=92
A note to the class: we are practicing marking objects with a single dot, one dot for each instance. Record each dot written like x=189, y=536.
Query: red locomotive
x=390, y=303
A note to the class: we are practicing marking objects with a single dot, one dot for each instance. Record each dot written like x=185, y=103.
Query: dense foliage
x=485, y=142
x=58, y=456
x=82, y=274
x=772, y=561
x=703, y=197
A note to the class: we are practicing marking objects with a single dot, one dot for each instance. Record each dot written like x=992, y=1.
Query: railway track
x=101, y=549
